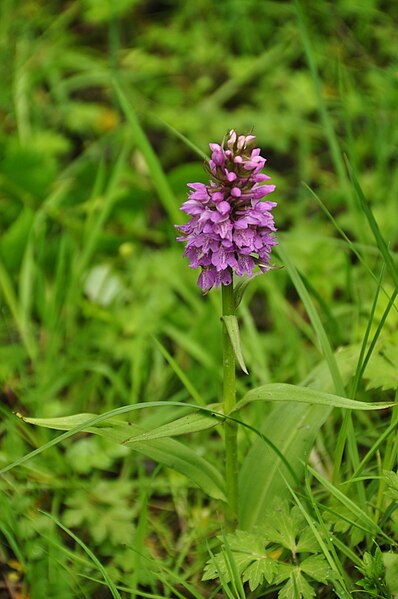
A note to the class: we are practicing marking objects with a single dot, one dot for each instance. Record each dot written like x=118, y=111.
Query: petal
x=224, y=277
x=231, y=176
x=224, y=229
x=223, y=207
x=207, y=279
x=197, y=186
x=192, y=207
x=245, y=265
x=262, y=191
x=231, y=138
x=258, y=178
x=217, y=155
x=241, y=142
x=217, y=196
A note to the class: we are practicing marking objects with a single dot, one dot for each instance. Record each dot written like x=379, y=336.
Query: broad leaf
x=292, y=427
x=166, y=451
x=316, y=567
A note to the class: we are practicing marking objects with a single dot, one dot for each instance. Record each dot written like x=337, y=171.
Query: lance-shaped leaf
x=232, y=326
x=191, y=423
x=166, y=451
x=292, y=426
x=298, y=394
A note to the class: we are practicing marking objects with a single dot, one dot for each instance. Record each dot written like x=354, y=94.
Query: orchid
x=231, y=228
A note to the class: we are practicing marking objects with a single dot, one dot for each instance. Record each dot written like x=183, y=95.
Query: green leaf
x=307, y=542
x=258, y=570
x=241, y=287
x=180, y=373
x=362, y=519
x=298, y=394
x=324, y=344
x=297, y=587
x=166, y=451
x=10, y=297
x=292, y=428
x=285, y=570
x=283, y=526
x=382, y=245
x=247, y=550
x=92, y=452
x=232, y=326
x=218, y=566
x=109, y=582
x=392, y=484
x=320, y=377
x=382, y=369
x=105, y=510
x=13, y=240
x=316, y=567
x=192, y=423
x=246, y=542
x=391, y=565
x=373, y=569
x=157, y=174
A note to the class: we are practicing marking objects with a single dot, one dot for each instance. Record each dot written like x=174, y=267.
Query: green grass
x=107, y=111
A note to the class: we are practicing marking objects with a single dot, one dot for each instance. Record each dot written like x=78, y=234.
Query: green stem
x=231, y=429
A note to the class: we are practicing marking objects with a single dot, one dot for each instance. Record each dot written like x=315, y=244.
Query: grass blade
x=381, y=244
x=159, y=179
x=323, y=340
x=112, y=588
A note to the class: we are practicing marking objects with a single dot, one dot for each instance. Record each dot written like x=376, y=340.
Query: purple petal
x=224, y=229
x=231, y=138
x=223, y=207
x=223, y=277
x=217, y=155
x=245, y=265
x=262, y=191
x=207, y=279
x=192, y=207
x=231, y=176
x=217, y=196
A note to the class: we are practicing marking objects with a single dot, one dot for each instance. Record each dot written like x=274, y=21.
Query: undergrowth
x=107, y=109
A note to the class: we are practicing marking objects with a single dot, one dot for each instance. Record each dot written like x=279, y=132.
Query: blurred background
x=106, y=109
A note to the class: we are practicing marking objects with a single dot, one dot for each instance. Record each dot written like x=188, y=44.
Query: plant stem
x=231, y=428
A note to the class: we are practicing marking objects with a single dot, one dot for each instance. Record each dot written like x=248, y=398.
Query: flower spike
x=231, y=228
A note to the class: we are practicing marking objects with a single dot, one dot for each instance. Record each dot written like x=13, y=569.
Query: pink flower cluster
x=231, y=228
